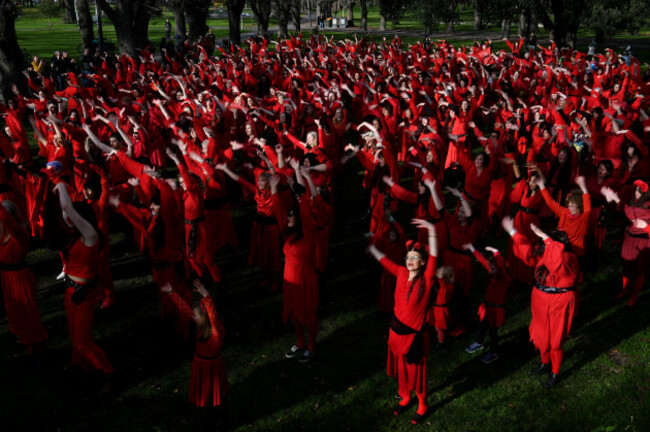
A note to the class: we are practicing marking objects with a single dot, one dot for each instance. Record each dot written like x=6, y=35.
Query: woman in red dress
x=265, y=249
x=553, y=299
x=408, y=338
x=300, y=290
x=208, y=380
x=635, y=253
x=81, y=258
x=18, y=283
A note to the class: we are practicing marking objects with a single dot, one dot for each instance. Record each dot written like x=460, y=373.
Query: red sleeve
x=13, y=227
x=393, y=268
x=246, y=185
x=403, y=194
x=552, y=204
x=132, y=167
x=217, y=326
x=481, y=259
x=523, y=249
x=182, y=306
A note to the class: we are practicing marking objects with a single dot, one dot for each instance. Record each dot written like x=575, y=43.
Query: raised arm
x=88, y=234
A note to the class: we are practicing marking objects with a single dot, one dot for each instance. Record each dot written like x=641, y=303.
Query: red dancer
x=408, y=338
x=208, y=380
x=553, y=299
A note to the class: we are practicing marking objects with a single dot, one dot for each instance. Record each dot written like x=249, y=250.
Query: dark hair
x=609, y=166
x=294, y=233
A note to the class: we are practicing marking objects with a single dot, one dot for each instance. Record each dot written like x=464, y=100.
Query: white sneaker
x=306, y=356
x=294, y=352
x=61, y=275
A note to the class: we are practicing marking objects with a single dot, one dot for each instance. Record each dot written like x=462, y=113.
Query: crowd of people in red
x=551, y=137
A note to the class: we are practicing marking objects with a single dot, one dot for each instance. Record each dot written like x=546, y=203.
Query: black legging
x=494, y=335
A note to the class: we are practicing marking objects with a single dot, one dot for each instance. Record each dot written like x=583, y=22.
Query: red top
x=497, y=289
x=562, y=266
x=574, y=226
x=81, y=260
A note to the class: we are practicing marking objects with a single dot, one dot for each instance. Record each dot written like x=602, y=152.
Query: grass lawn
x=605, y=377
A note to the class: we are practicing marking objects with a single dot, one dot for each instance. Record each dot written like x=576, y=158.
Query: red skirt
x=266, y=247
x=19, y=289
x=494, y=316
x=410, y=376
x=208, y=381
x=552, y=318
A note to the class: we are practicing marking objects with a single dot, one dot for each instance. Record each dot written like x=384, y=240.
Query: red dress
x=208, y=380
x=81, y=261
x=265, y=250
x=19, y=285
x=412, y=311
x=300, y=295
x=530, y=207
x=492, y=309
x=553, y=299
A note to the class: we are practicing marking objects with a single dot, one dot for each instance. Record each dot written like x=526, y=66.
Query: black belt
x=265, y=220
x=441, y=305
x=206, y=358
x=214, y=204
x=80, y=290
x=552, y=290
x=472, y=197
x=494, y=305
x=194, y=221
x=13, y=267
x=528, y=210
x=641, y=235
x=460, y=252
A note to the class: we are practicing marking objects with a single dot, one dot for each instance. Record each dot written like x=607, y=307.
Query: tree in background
x=177, y=8
x=131, y=21
x=70, y=12
x=262, y=11
x=49, y=9
x=235, y=8
x=85, y=23
x=11, y=57
x=561, y=18
x=282, y=12
x=607, y=18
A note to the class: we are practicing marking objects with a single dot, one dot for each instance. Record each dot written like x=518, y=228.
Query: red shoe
x=632, y=301
x=108, y=302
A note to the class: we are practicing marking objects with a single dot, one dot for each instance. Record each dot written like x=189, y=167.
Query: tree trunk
x=283, y=10
x=11, y=56
x=308, y=6
x=70, y=12
x=364, y=15
x=382, y=23
x=295, y=15
x=197, y=15
x=180, y=26
x=478, y=15
x=85, y=23
x=452, y=16
x=523, y=24
x=350, y=20
x=235, y=7
x=506, y=24
x=262, y=11
x=131, y=21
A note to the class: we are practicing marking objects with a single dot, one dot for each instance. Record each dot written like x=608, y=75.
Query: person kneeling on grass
x=492, y=310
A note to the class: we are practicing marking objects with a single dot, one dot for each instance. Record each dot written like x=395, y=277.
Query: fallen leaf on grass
x=175, y=390
x=510, y=405
x=351, y=388
x=316, y=407
x=563, y=408
x=279, y=419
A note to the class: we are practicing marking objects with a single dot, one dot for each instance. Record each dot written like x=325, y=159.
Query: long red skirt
x=208, y=381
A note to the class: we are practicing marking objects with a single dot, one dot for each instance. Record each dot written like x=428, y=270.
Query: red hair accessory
x=417, y=247
x=641, y=185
